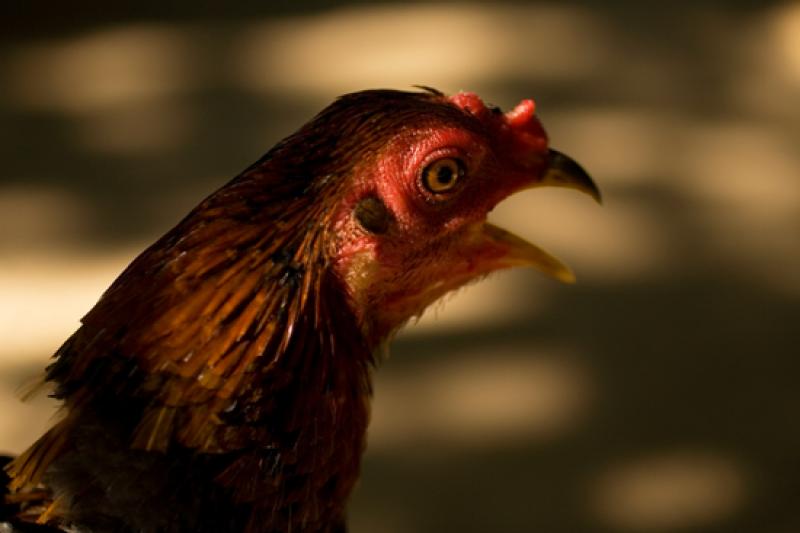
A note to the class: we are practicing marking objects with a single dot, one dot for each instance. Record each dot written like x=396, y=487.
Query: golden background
x=660, y=393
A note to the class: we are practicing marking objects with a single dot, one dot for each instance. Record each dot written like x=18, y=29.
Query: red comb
x=520, y=122
x=470, y=102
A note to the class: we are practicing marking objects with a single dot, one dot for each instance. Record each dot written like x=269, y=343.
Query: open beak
x=561, y=171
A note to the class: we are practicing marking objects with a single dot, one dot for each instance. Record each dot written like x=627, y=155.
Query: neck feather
x=223, y=370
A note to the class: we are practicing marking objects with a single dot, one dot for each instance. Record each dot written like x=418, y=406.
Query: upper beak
x=561, y=171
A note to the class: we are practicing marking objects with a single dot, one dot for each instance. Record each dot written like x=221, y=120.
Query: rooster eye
x=442, y=175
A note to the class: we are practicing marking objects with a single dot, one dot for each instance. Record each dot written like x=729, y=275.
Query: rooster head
x=412, y=225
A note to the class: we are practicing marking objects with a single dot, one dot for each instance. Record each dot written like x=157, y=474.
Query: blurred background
x=660, y=393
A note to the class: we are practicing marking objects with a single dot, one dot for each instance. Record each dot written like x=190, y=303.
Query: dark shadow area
x=24, y=21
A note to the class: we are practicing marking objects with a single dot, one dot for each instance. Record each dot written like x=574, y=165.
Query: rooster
x=222, y=383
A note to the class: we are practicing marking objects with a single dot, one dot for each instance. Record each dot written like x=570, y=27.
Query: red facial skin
x=431, y=247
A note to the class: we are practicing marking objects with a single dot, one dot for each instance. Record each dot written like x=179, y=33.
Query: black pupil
x=445, y=175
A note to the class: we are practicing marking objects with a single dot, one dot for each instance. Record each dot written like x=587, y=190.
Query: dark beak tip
x=597, y=195
x=564, y=169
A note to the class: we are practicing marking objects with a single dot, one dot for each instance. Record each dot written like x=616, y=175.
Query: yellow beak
x=519, y=252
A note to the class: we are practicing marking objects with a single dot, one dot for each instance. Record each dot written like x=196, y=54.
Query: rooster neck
x=308, y=415
x=221, y=374
x=291, y=472
x=286, y=451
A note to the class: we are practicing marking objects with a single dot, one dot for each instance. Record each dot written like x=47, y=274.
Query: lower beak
x=515, y=251
x=561, y=171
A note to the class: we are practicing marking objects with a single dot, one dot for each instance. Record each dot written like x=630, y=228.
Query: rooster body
x=222, y=382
